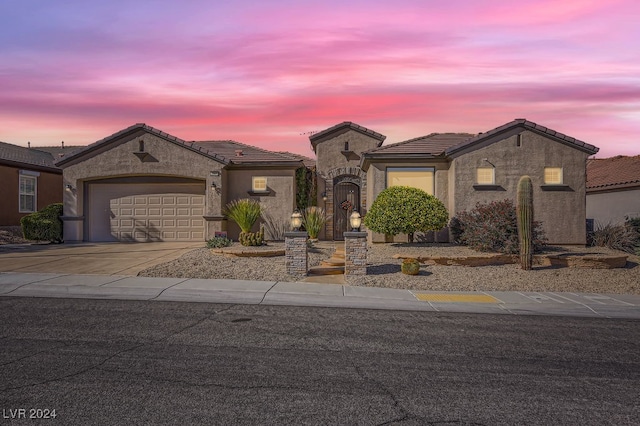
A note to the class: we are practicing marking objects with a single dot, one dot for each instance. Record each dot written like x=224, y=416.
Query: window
x=259, y=184
x=27, y=194
x=553, y=175
x=485, y=176
x=416, y=177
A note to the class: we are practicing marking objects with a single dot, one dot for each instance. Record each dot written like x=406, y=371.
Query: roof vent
x=239, y=153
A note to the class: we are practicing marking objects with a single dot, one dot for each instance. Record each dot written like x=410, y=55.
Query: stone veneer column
x=295, y=253
x=355, y=253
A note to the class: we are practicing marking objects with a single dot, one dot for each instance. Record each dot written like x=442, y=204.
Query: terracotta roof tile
x=342, y=127
x=613, y=173
x=529, y=125
x=239, y=153
x=432, y=144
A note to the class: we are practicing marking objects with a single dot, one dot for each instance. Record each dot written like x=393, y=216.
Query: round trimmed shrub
x=406, y=210
x=410, y=267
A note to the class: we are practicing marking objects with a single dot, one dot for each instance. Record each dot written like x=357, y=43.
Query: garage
x=145, y=209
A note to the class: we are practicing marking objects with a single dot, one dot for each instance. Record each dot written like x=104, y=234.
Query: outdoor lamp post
x=296, y=220
x=355, y=220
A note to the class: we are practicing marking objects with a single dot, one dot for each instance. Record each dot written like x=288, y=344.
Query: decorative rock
x=593, y=261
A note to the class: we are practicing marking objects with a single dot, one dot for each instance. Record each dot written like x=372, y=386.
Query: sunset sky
x=265, y=72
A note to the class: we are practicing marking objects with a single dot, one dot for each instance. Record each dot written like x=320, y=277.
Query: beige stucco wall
x=280, y=202
x=329, y=152
x=377, y=181
x=563, y=213
x=117, y=159
x=613, y=207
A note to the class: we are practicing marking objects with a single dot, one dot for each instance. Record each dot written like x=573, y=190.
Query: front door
x=346, y=199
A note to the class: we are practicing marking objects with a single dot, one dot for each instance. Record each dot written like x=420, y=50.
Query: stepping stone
x=326, y=270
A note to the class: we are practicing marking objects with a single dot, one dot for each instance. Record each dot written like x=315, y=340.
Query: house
x=30, y=180
x=142, y=184
x=460, y=169
x=613, y=189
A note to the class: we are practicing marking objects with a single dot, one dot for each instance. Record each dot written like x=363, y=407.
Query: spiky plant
x=245, y=212
x=524, y=213
x=313, y=219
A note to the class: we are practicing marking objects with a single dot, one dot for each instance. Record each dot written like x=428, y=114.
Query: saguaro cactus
x=524, y=212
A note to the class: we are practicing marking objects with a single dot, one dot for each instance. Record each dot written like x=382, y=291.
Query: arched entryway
x=346, y=199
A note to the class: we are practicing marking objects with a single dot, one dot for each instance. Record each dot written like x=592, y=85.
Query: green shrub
x=252, y=238
x=494, y=227
x=313, y=219
x=410, y=267
x=244, y=212
x=405, y=210
x=44, y=225
x=617, y=237
x=219, y=242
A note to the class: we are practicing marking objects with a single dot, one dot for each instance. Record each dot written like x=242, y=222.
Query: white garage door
x=146, y=212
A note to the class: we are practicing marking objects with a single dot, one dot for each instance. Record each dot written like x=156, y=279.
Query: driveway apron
x=91, y=258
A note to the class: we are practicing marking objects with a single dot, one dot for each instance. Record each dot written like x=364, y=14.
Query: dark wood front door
x=346, y=199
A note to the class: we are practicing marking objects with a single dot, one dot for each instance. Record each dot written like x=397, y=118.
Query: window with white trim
x=485, y=176
x=259, y=184
x=553, y=176
x=27, y=191
x=415, y=177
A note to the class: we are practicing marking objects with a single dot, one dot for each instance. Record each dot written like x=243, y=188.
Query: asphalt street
x=139, y=362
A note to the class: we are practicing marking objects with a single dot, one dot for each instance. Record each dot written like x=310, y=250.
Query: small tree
x=405, y=210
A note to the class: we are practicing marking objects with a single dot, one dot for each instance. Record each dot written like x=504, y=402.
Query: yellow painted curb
x=455, y=298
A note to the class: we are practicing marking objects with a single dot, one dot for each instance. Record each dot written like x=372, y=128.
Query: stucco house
x=613, y=189
x=142, y=184
x=30, y=180
x=460, y=169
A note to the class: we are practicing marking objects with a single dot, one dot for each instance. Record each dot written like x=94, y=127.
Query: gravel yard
x=384, y=271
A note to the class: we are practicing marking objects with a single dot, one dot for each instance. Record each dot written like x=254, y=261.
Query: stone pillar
x=355, y=253
x=295, y=253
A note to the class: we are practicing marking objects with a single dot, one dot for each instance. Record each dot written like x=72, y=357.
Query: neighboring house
x=461, y=170
x=141, y=184
x=613, y=189
x=30, y=180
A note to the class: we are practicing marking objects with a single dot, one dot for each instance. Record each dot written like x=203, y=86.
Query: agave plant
x=313, y=219
x=244, y=212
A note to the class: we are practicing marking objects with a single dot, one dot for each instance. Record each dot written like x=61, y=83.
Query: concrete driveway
x=90, y=258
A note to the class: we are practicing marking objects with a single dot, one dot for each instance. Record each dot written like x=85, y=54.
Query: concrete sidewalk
x=314, y=294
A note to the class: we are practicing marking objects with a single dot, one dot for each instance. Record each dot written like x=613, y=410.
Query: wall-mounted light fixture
x=68, y=187
x=487, y=160
x=324, y=196
x=214, y=186
x=214, y=173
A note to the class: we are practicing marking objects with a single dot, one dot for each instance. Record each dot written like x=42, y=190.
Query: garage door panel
x=146, y=212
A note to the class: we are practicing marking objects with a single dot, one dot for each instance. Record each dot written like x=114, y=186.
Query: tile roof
x=222, y=151
x=308, y=162
x=28, y=156
x=240, y=153
x=323, y=135
x=433, y=144
x=613, y=173
x=528, y=125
